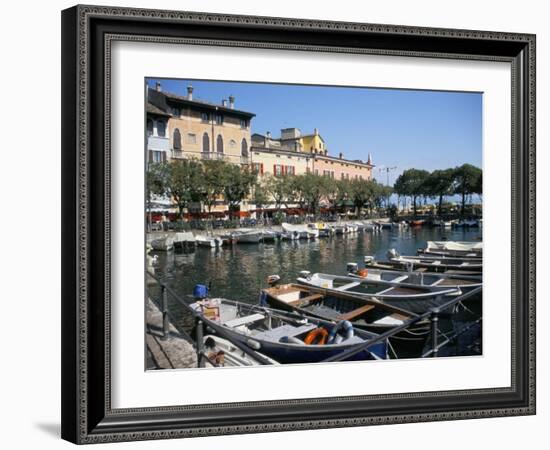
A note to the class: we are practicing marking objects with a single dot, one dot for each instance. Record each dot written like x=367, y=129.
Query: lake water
x=239, y=272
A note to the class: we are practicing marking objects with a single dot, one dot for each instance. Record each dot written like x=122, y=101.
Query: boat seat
x=356, y=312
x=304, y=300
x=400, y=279
x=351, y=285
x=276, y=334
x=234, y=323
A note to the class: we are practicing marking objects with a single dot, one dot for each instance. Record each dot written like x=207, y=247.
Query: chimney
x=341, y=156
x=224, y=103
x=369, y=161
x=232, y=101
x=189, y=92
x=268, y=134
x=315, y=131
x=158, y=86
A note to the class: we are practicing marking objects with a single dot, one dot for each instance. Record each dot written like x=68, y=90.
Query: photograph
x=299, y=224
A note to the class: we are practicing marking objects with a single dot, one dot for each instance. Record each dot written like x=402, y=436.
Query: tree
x=468, y=180
x=411, y=183
x=279, y=187
x=439, y=184
x=237, y=183
x=155, y=185
x=260, y=196
x=179, y=179
x=212, y=182
x=359, y=194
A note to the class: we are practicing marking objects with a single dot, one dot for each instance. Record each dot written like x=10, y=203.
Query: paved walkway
x=174, y=352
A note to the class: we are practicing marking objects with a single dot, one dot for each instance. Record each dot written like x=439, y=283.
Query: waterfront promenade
x=172, y=352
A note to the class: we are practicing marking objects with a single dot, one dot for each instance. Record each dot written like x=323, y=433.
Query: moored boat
x=208, y=241
x=248, y=236
x=453, y=248
x=363, y=313
x=433, y=280
x=184, y=240
x=283, y=336
x=163, y=244
x=302, y=231
x=432, y=263
x=406, y=296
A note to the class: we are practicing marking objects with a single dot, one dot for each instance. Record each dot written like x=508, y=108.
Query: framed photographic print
x=267, y=221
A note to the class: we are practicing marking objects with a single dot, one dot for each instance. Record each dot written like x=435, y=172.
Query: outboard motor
x=272, y=280
x=392, y=253
x=200, y=292
x=368, y=259
x=305, y=274
x=352, y=267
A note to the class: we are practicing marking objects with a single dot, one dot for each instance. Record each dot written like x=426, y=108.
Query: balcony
x=158, y=143
x=213, y=156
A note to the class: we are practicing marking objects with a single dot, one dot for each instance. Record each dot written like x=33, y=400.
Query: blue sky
x=404, y=128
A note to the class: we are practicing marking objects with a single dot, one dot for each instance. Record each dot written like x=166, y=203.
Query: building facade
x=304, y=154
x=203, y=130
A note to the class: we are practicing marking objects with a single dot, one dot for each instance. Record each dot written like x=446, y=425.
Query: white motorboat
x=209, y=241
x=163, y=244
x=248, y=236
x=453, y=248
x=303, y=231
x=184, y=239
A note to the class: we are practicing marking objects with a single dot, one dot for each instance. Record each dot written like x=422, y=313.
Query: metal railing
x=199, y=326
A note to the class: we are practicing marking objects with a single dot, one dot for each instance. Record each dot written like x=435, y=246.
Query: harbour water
x=239, y=272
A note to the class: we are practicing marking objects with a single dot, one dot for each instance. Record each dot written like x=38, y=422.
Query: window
x=176, y=112
x=244, y=148
x=316, y=171
x=277, y=170
x=177, y=139
x=258, y=168
x=156, y=156
x=161, y=128
x=191, y=138
x=205, y=143
x=205, y=117
x=290, y=170
x=150, y=127
x=326, y=173
x=218, y=118
x=219, y=143
x=244, y=123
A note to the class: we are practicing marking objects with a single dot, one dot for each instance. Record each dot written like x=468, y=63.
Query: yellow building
x=308, y=153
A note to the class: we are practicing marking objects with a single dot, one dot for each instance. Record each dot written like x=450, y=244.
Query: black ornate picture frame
x=87, y=35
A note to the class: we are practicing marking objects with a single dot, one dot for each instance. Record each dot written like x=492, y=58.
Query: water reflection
x=240, y=271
